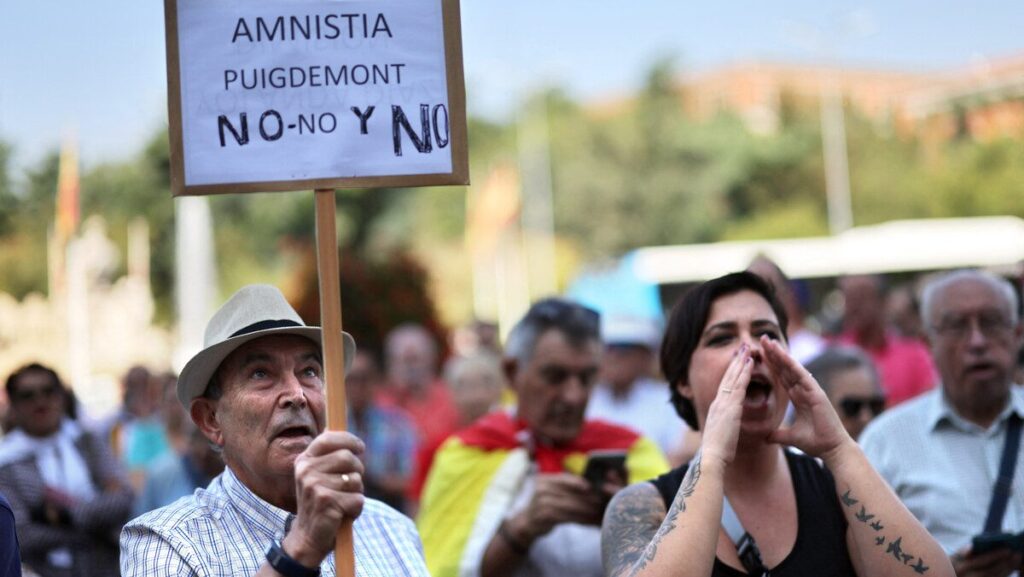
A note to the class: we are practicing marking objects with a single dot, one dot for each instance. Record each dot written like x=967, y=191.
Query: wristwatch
x=285, y=565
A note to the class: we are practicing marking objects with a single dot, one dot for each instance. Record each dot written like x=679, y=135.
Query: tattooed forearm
x=678, y=506
x=894, y=547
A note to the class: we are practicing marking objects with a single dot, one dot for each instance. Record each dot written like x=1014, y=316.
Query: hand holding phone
x=601, y=463
x=986, y=542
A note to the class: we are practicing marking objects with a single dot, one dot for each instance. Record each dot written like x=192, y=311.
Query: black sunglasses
x=852, y=406
x=48, y=392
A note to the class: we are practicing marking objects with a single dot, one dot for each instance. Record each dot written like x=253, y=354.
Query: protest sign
x=276, y=95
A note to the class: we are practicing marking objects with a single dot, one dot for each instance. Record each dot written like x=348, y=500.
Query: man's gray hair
x=942, y=282
x=578, y=323
x=838, y=359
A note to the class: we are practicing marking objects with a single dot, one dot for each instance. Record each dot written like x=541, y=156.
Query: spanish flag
x=479, y=471
x=491, y=210
x=67, y=191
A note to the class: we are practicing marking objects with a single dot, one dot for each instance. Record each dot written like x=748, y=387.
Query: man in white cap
x=627, y=395
x=256, y=391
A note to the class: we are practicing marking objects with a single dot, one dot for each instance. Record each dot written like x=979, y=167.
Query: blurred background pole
x=538, y=212
x=195, y=273
x=854, y=25
x=837, y=170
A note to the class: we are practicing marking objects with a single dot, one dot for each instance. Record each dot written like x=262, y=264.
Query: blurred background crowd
x=406, y=397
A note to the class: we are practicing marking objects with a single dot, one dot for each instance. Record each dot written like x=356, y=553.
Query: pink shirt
x=434, y=413
x=905, y=366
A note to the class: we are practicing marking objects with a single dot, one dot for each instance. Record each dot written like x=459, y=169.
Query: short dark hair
x=837, y=359
x=12, y=380
x=686, y=324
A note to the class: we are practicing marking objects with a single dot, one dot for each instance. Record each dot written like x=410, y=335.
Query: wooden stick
x=333, y=349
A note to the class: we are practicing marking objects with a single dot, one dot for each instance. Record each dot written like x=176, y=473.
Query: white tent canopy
x=897, y=246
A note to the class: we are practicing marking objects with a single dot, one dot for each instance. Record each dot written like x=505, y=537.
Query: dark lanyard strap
x=1001, y=491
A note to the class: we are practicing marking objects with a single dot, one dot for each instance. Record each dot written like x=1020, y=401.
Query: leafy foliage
x=640, y=173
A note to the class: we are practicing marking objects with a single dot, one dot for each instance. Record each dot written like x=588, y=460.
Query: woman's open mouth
x=759, y=392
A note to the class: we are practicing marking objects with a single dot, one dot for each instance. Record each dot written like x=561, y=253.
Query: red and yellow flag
x=493, y=208
x=67, y=190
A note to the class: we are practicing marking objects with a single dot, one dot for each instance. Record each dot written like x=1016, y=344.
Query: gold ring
x=345, y=478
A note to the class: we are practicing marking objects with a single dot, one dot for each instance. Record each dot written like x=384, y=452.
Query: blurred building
x=761, y=93
x=982, y=101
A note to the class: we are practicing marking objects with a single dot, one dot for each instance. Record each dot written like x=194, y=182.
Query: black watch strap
x=285, y=565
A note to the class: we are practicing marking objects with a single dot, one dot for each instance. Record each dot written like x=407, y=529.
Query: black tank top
x=820, y=547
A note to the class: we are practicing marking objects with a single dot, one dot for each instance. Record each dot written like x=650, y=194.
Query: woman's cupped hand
x=816, y=428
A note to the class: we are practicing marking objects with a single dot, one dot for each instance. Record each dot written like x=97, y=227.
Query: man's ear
x=1018, y=334
x=510, y=366
x=204, y=415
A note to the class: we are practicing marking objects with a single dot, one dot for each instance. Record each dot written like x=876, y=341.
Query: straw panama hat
x=254, y=311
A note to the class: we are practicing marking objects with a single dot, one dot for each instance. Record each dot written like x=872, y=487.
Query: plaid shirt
x=224, y=531
x=391, y=441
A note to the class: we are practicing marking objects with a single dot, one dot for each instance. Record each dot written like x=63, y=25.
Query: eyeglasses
x=992, y=324
x=558, y=312
x=25, y=396
x=852, y=406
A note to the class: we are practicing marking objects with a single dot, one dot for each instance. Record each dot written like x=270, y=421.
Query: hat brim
x=196, y=375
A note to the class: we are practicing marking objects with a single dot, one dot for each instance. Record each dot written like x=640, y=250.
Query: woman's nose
x=754, y=346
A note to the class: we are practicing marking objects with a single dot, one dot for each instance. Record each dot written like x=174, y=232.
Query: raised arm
x=883, y=537
x=640, y=538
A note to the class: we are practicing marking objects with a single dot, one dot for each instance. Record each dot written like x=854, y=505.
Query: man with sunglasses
x=944, y=452
x=506, y=496
x=68, y=495
x=850, y=380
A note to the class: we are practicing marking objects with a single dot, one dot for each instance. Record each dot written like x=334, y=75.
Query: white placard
x=300, y=91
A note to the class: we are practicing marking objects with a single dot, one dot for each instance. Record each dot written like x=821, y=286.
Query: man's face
x=37, y=403
x=271, y=408
x=622, y=365
x=360, y=381
x=553, y=388
x=974, y=342
x=411, y=363
x=476, y=390
x=863, y=304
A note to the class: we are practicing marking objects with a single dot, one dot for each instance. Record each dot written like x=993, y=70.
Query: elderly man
x=904, y=364
x=256, y=392
x=68, y=494
x=505, y=496
x=942, y=452
x=414, y=384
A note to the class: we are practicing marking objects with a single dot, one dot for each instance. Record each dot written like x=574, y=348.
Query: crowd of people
x=736, y=437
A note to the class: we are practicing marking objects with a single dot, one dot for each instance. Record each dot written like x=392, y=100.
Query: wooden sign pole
x=333, y=349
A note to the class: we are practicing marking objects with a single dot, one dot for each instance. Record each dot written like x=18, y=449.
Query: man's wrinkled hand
x=329, y=489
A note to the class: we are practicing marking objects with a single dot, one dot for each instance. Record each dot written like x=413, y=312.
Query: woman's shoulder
x=668, y=483
x=638, y=495
x=637, y=508
x=630, y=522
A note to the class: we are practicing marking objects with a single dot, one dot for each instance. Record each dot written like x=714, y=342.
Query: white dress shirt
x=944, y=467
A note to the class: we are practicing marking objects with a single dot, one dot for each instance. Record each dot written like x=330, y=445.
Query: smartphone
x=599, y=463
x=991, y=541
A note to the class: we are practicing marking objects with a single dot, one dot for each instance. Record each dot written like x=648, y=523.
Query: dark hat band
x=264, y=325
